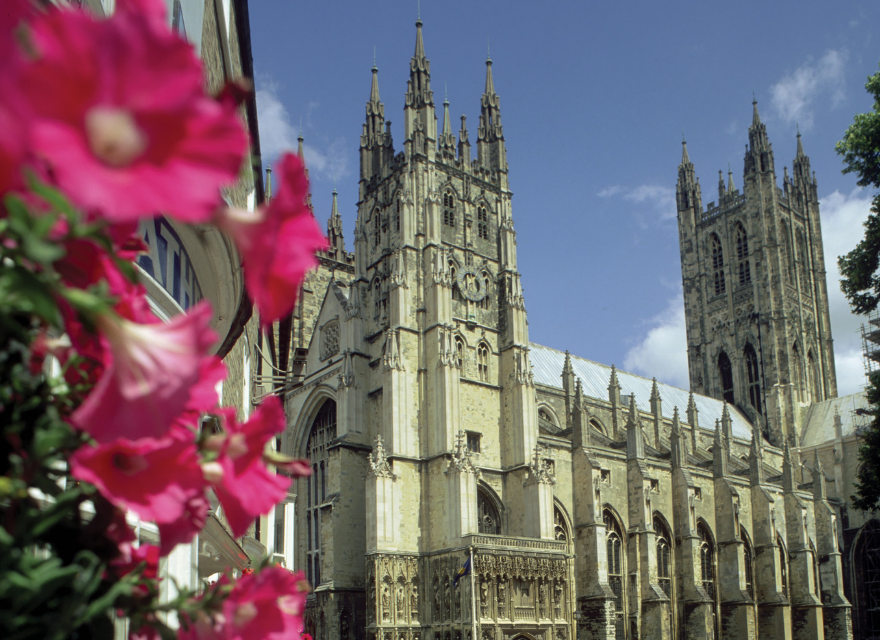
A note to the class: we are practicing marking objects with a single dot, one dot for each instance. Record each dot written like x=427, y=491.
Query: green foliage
x=860, y=282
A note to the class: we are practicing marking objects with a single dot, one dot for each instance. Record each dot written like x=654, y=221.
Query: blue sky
x=594, y=100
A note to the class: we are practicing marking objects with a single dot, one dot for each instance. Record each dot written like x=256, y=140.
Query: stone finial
x=379, y=467
x=693, y=418
x=789, y=483
x=679, y=457
x=820, y=491
x=613, y=387
x=391, y=353
x=730, y=186
x=756, y=459
x=719, y=453
x=635, y=441
x=539, y=469
x=838, y=425
x=726, y=427
x=567, y=368
x=685, y=159
x=462, y=460
x=579, y=420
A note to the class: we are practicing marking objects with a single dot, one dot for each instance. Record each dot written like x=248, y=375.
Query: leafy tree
x=860, y=280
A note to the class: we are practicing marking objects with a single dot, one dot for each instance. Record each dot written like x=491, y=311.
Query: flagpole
x=473, y=594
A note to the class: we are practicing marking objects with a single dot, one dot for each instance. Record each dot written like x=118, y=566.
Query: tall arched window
x=783, y=566
x=487, y=515
x=377, y=228
x=449, y=209
x=717, y=264
x=742, y=255
x=707, y=560
x=748, y=559
x=560, y=526
x=664, y=556
x=797, y=373
x=786, y=252
x=866, y=567
x=397, y=215
x=814, y=377
x=614, y=543
x=322, y=433
x=725, y=373
x=817, y=580
x=804, y=265
x=484, y=302
x=459, y=353
x=754, y=377
x=483, y=362
x=482, y=223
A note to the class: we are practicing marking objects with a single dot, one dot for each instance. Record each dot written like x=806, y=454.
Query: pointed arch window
x=707, y=560
x=783, y=566
x=748, y=561
x=742, y=255
x=753, y=376
x=786, y=252
x=459, y=353
x=797, y=373
x=322, y=433
x=397, y=215
x=725, y=373
x=664, y=556
x=717, y=264
x=804, y=266
x=483, y=362
x=614, y=548
x=377, y=228
x=560, y=526
x=813, y=372
x=449, y=209
x=482, y=223
x=487, y=514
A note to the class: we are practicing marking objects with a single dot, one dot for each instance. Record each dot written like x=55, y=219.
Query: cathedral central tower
x=755, y=295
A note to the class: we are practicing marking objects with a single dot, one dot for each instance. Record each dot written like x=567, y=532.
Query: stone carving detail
x=522, y=370
x=397, y=578
x=353, y=306
x=461, y=457
x=330, y=339
x=346, y=373
x=391, y=359
x=386, y=601
x=379, y=467
x=539, y=470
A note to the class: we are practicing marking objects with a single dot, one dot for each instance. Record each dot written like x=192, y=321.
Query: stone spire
x=334, y=232
x=800, y=146
x=687, y=189
x=373, y=138
x=679, y=457
x=759, y=153
x=420, y=121
x=726, y=425
x=756, y=460
x=635, y=441
x=656, y=412
x=719, y=452
x=722, y=190
x=693, y=417
x=491, y=152
x=730, y=186
x=568, y=385
x=464, y=145
x=820, y=491
x=580, y=425
x=419, y=85
x=447, y=140
x=613, y=385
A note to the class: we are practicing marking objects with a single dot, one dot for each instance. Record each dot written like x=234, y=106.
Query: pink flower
x=184, y=529
x=154, y=374
x=277, y=243
x=134, y=135
x=14, y=14
x=268, y=605
x=132, y=558
x=159, y=480
x=244, y=485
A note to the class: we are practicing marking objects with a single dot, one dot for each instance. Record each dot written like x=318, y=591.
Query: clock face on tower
x=470, y=285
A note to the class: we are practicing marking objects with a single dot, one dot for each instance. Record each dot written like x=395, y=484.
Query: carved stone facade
x=589, y=502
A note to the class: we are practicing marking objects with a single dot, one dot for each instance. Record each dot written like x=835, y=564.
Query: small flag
x=465, y=569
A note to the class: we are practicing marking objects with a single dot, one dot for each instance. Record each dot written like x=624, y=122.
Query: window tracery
x=487, y=515
x=753, y=376
x=664, y=561
x=717, y=264
x=483, y=362
x=742, y=255
x=322, y=433
x=725, y=372
x=449, y=209
x=614, y=544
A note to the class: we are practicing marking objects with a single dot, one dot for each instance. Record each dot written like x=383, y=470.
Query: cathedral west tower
x=755, y=293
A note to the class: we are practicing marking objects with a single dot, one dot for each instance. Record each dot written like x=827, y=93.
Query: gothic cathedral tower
x=755, y=295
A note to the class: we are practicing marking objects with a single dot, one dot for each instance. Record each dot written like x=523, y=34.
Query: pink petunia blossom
x=134, y=124
x=158, y=479
x=132, y=557
x=277, y=243
x=245, y=486
x=153, y=375
x=184, y=529
x=267, y=605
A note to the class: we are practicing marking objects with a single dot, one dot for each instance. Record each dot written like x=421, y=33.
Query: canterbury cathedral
x=469, y=484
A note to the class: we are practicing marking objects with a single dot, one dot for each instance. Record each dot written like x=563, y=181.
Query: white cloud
x=794, y=95
x=660, y=198
x=278, y=134
x=663, y=350
x=842, y=218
